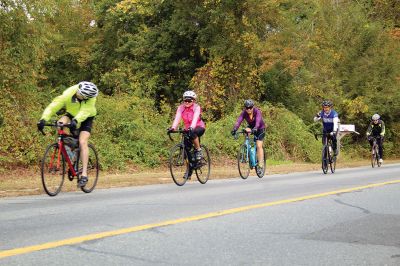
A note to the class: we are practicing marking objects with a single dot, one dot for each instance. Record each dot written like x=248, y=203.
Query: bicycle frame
x=61, y=149
x=249, y=144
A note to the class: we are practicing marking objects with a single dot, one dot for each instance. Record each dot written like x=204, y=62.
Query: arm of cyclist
x=177, y=119
x=196, y=115
x=239, y=121
x=317, y=117
x=57, y=104
x=383, y=129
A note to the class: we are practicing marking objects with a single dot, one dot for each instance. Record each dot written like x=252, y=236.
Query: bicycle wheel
x=261, y=174
x=92, y=169
x=325, y=159
x=204, y=166
x=243, y=162
x=52, y=170
x=332, y=163
x=178, y=164
x=373, y=157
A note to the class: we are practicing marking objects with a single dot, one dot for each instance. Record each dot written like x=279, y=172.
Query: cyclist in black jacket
x=376, y=129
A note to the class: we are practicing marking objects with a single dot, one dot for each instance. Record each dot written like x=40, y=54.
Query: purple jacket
x=257, y=121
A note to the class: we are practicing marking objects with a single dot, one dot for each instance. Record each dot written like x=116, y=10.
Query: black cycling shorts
x=260, y=134
x=85, y=125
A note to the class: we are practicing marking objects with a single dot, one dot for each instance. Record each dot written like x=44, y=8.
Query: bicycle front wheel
x=243, y=162
x=204, y=166
x=325, y=159
x=52, y=170
x=332, y=163
x=179, y=165
x=92, y=169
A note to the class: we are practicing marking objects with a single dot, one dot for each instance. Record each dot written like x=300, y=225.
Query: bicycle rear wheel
x=325, y=159
x=178, y=164
x=204, y=166
x=243, y=162
x=92, y=169
x=52, y=170
x=261, y=174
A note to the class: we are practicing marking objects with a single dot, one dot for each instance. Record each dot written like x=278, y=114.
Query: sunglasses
x=188, y=100
x=248, y=108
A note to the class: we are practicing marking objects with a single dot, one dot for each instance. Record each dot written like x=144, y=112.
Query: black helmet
x=327, y=103
x=248, y=103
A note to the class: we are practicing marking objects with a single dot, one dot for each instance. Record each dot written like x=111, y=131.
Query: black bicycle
x=182, y=162
x=63, y=157
x=375, y=153
x=328, y=156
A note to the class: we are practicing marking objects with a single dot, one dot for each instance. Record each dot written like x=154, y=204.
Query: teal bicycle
x=247, y=156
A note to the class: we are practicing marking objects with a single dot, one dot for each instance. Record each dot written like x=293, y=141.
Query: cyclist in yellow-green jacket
x=79, y=102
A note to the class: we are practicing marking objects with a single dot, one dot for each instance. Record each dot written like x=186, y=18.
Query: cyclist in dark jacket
x=376, y=129
x=256, y=125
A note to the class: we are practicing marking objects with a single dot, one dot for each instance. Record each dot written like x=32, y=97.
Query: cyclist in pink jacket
x=190, y=113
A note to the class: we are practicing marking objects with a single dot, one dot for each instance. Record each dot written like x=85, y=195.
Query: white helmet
x=87, y=89
x=189, y=94
x=375, y=117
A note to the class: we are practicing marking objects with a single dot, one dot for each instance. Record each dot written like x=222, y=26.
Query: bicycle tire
x=203, y=172
x=332, y=163
x=178, y=164
x=92, y=169
x=373, y=157
x=52, y=176
x=325, y=159
x=261, y=175
x=243, y=162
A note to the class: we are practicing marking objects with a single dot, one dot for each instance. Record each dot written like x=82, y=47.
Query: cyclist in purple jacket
x=256, y=126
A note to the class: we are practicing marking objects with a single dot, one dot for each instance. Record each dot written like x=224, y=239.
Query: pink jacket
x=190, y=116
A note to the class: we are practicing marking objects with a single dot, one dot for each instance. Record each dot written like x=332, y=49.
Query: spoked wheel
x=179, y=164
x=92, y=170
x=373, y=157
x=53, y=170
x=204, y=166
x=243, y=162
x=332, y=163
x=325, y=159
x=261, y=173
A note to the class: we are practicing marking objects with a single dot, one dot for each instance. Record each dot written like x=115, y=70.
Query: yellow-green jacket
x=80, y=110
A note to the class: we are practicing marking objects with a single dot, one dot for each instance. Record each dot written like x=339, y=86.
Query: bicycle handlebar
x=243, y=131
x=177, y=131
x=55, y=124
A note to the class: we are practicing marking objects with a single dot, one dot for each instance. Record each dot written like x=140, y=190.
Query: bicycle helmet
x=375, y=117
x=87, y=89
x=248, y=103
x=327, y=103
x=189, y=94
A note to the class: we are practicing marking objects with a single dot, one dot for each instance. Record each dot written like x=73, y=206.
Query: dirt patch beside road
x=28, y=182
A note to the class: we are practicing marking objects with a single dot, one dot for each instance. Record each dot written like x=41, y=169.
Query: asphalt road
x=351, y=217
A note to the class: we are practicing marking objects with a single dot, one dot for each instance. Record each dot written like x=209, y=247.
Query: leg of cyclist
x=197, y=133
x=380, y=145
x=260, y=134
x=334, y=145
x=84, y=135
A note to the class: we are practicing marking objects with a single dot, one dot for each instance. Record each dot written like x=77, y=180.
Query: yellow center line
x=85, y=238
